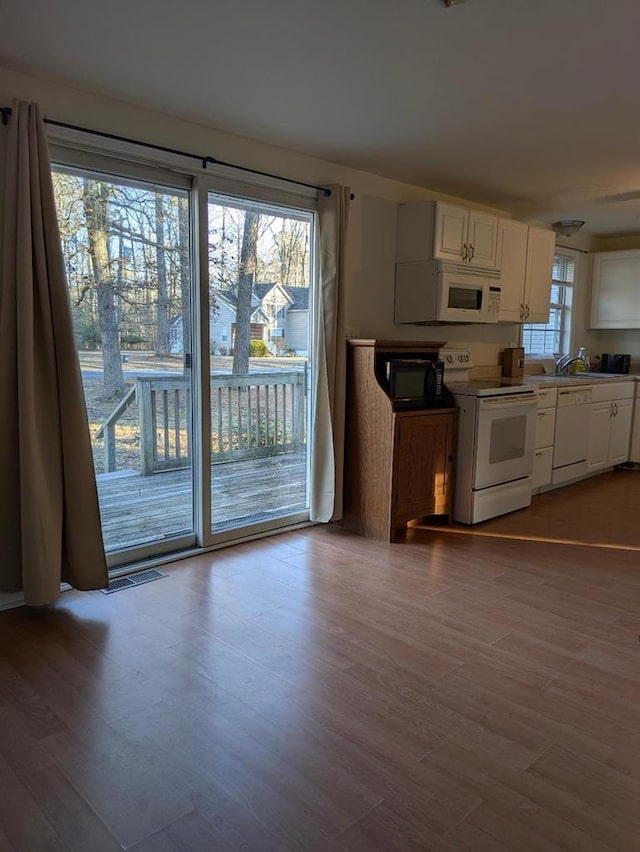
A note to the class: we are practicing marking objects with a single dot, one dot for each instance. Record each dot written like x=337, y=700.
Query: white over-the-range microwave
x=432, y=291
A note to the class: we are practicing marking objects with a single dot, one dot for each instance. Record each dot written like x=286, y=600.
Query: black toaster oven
x=615, y=363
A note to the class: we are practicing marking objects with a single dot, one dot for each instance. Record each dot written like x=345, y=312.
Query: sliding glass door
x=192, y=312
x=260, y=271
x=126, y=247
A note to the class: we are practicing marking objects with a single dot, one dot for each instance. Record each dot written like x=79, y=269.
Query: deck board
x=136, y=509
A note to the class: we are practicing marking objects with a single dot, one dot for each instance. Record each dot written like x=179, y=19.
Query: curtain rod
x=204, y=160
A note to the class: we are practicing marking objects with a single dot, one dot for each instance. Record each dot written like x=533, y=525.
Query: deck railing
x=254, y=415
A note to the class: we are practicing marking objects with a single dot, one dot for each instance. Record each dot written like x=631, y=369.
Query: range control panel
x=460, y=358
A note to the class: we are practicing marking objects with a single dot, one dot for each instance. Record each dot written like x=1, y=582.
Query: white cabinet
x=615, y=289
x=634, y=451
x=610, y=425
x=545, y=428
x=436, y=230
x=525, y=260
x=541, y=246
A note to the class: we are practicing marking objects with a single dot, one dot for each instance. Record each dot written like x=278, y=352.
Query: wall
x=369, y=291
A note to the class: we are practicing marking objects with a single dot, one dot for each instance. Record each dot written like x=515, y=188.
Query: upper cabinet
x=435, y=230
x=615, y=289
x=525, y=260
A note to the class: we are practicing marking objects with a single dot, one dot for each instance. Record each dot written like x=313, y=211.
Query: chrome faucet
x=565, y=361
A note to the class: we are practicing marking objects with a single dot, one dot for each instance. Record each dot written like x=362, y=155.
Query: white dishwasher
x=571, y=441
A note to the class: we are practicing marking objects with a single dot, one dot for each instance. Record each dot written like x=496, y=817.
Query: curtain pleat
x=327, y=451
x=49, y=517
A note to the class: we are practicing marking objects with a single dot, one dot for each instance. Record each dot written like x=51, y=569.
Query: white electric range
x=496, y=441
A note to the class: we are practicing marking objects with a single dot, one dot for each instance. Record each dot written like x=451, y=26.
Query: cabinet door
x=545, y=427
x=620, y=434
x=512, y=261
x=542, y=467
x=482, y=239
x=423, y=453
x=634, y=451
x=599, y=429
x=539, y=271
x=450, y=236
x=614, y=290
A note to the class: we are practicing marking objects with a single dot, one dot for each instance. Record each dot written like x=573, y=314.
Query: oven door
x=505, y=439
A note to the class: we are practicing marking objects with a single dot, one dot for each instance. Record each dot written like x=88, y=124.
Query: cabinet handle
x=522, y=313
x=451, y=458
x=527, y=312
x=465, y=251
x=542, y=413
x=539, y=452
x=473, y=251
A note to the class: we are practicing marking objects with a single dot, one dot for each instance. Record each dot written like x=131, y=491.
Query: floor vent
x=132, y=580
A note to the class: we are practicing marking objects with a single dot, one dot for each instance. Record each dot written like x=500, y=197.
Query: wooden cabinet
x=435, y=230
x=614, y=289
x=525, y=260
x=610, y=425
x=398, y=464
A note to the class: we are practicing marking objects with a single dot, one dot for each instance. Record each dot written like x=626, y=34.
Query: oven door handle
x=507, y=402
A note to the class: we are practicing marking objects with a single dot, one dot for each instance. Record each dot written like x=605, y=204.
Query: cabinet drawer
x=547, y=397
x=545, y=427
x=542, y=465
x=602, y=391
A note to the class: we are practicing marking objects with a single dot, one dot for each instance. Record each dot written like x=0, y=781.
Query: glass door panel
x=126, y=248
x=260, y=269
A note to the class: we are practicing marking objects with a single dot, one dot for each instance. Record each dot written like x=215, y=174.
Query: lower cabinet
x=610, y=425
x=422, y=466
x=545, y=429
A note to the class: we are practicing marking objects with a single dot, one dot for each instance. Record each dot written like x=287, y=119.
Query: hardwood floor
x=320, y=691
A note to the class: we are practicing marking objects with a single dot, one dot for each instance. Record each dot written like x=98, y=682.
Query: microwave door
x=460, y=300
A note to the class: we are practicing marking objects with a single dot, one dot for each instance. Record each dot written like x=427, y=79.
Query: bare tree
x=162, y=289
x=96, y=209
x=248, y=263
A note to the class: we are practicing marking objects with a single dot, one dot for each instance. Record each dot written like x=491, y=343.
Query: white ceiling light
x=568, y=227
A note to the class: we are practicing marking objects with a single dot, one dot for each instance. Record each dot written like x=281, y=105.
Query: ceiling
x=531, y=106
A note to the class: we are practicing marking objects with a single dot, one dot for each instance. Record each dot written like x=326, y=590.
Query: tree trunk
x=95, y=200
x=162, y=297
x=248, y=263
x=185, y=275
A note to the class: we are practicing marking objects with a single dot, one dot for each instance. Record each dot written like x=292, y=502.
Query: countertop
x=550, y=381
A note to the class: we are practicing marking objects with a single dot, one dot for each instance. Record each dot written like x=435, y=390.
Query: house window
x=554, y=336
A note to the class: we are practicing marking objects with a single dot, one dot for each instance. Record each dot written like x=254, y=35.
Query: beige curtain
x=49, y=518
x=327, y=451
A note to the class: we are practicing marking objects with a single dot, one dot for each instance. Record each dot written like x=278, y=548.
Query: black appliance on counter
x=413, y=382
x=615, y=363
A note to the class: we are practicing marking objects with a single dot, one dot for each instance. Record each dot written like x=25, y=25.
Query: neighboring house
x=280, y=318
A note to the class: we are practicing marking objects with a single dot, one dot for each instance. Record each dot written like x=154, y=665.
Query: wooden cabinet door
x=423, y=456
x=450, y=234
x=537, y=288
x=482, y=239
x=512, y=262
x=614, y=290
x=599, y=429
x=620, y=434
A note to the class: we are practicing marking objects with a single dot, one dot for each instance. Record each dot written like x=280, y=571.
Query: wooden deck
x=137, y=509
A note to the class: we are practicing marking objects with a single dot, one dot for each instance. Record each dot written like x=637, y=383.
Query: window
x=553, y=336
